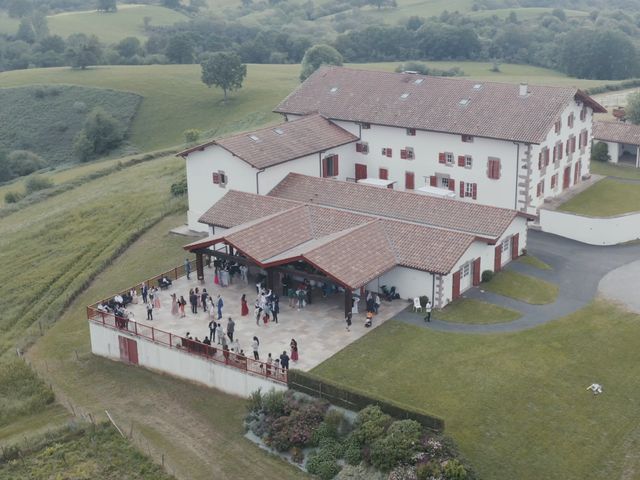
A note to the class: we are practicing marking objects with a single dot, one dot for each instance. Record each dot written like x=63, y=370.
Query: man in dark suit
x=145, y=292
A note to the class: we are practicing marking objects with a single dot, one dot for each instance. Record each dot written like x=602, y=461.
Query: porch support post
x=348, y=301
x=271, y=277
x=638, y=157
x=200, y=266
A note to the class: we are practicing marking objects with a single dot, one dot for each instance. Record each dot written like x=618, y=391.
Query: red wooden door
x=361, y=171
x=515, y=241
x=456, y=285
x=576, y=173
x=133, y=351
x=566, y=178
x=124, y=348
x=476, y=272
x=497, y=261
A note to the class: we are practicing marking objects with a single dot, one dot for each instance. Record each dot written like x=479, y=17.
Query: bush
x=397, y=447
x=370, y=424
x=454, y=470
x=13, y=197
x=600, y=152
x=179, y=188
x=254, y=404
x=82, y=147
x=487, y=275
x=34, y=184
x=192, y=135
x=352, y=451
x=297, y=455
x=427, y=471
x=273, y=403
x=24, y=162
x=101, y=134
x=423, y=301
x=325, y=431
x=323, y=464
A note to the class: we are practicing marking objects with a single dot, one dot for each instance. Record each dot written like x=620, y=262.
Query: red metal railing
x=210, y=352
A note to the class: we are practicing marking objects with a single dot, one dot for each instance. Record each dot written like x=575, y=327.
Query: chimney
x=524, y=89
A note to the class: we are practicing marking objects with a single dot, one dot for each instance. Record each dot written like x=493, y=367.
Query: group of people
x=266, y=306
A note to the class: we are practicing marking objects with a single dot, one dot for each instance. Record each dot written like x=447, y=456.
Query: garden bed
x=333, y=443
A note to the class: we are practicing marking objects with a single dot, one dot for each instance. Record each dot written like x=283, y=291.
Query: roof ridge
x=342, y=233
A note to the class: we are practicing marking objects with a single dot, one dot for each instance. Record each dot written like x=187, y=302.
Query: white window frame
x=444, y=182
x=506, y=245
x=468, y=189
x=449, y=158
x=468, y=161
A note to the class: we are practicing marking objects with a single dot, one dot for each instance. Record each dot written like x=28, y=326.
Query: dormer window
x=365, y=126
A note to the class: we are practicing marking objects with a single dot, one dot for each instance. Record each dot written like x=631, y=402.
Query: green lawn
x=198, y=429
x=615, y=170
x=516, y=403
x=475, y=312
x=46, y=119
x=534, y=262
x=522, y=287
x=606, y=198
x=113, y=27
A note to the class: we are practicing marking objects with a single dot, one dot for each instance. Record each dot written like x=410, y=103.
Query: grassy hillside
x=46, y=119
x=175, y=99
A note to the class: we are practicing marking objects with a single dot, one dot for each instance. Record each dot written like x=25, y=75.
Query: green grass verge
x=516, y=404
x=46, y=119
x=21, y=391
x=615, y=170
x=51, y=417
x=475, y=312
x=52, y=249
x=175, y=99
x=606, y=198
x=81, y=452
x=534, y=262
x=179, y=419
x=128, y=21
x=522, y=287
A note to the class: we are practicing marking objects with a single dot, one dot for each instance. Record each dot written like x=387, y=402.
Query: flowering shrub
x=323, y=463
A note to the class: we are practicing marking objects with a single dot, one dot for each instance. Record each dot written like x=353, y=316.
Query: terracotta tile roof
x=617, y=132
x=236, y=208
x=349, y=247
x=438, y=212
x=283, y=142
x=451, y=105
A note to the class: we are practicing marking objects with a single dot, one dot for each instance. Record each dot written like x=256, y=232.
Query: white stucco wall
x=613, y=149
x=409, y=283
x=592, y=230
x=155, y=356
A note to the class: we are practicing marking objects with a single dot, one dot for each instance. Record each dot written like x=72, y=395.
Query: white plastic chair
x=416, y=305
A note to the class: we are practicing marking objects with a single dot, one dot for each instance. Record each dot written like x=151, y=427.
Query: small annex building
x=361, y=237
x=622, y=140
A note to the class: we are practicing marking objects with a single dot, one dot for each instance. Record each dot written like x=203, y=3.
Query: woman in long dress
x=156, y=298
x=245, y=308
x=294, y=350
x=174, y=305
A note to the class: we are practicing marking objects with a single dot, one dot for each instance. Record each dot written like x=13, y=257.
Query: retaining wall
x=591, y=230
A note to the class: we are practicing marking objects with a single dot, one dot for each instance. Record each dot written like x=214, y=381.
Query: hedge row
x=352, y=399
x=613, y=87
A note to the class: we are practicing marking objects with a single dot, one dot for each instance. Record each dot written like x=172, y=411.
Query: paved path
x=577, y=270
x=621, y=285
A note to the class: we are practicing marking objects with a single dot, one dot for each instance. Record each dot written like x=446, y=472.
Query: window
x=219, y=178
x=468, y=189
x=583, y=113
x=407, y=153
x=506, y=246
x=493, y=168
x=444, y=182
x=543, y=158
x=409, y=180
x=540, y=189
x=570, y=119
x=467, y=138
x=554, y=181
x=387, y=152
x=465, y=161
x=362, y=147
x=330, y=166
x=558, y=126
x=449, y=158
x=365, y=126
x=383, y=174
x=411, y=132
x=465, y=270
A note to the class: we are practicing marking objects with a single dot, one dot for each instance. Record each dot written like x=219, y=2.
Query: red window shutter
x=216, y=178
x=361, y=171
x=461, y=189
x=560, y=151
x=409, y=181
x=497, y=260
x=567, y=147
x=452, y=185
x=555, y=153
x=389, y=152
x=515, y=240
x=475, y=191
x=456, y=285
x=433, y=181
x=546, y=155
x=476, y=272
x=403, y=154
x=490, y=168
x=573, y=144
x=358, y=147
x=325, y=167
x=570, y=121
x=497, y=168
x=442, y=158
x=461, y=160
x=540, y=159
x=384, y=174
x=335, y=164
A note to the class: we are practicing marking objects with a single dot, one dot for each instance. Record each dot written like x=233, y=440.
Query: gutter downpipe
x=433, y=290
x=515, y=206
x=257, y=184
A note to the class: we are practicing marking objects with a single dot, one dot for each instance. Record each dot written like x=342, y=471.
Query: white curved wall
x=592, y=230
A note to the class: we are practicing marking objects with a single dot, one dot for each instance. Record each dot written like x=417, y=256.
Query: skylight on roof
x=404, y=95
x=477, y=86
x=464, y=102
x=254, y=138
x=333, y=89
x=418, y=81
x=279, y=131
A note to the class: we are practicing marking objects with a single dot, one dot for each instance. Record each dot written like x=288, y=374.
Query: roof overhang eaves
x=597, y=108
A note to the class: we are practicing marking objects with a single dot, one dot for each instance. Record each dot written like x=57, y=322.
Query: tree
x=171, y=3
x=224, y=70
x=128, y=47
x=180, y=48
x=632, y=110
x=83, y=51
x=101, y=134
x=317, y=56
x=24, y=162
x=19, y=8
x=600, y=152
x=107, y=6
x=40, y=25
x=26, y=32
